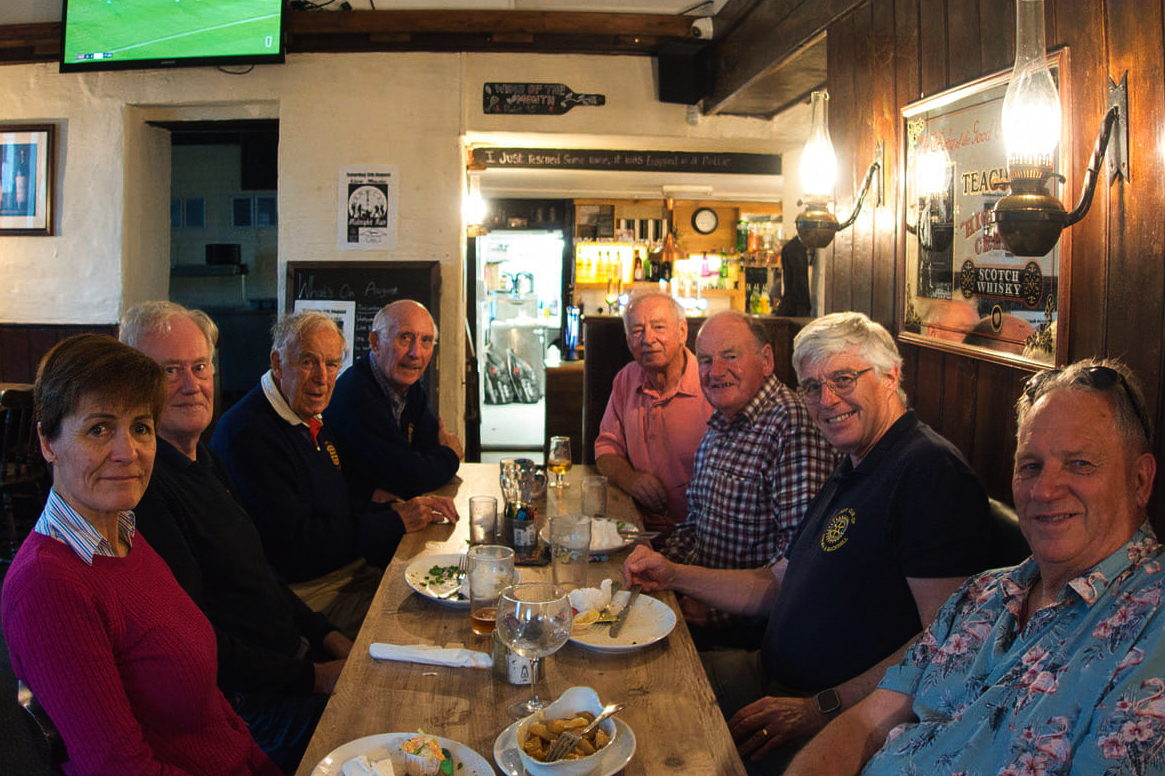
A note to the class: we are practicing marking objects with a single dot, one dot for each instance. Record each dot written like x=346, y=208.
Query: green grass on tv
x=156, y=29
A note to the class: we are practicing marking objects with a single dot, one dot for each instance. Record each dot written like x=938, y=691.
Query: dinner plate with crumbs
x=650, y=620
x=466, y=762
x=619, y=752
x=431, y=575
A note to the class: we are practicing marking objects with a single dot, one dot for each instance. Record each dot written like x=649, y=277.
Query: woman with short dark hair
x=117, y=654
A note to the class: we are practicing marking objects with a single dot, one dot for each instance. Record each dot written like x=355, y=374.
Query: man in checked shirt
x=896, y=528
x=757, y=467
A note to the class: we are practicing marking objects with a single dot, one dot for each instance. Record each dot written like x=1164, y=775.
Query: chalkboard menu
x=353, y=291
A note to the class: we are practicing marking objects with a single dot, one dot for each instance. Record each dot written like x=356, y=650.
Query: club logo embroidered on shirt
x=332, y=454
x=834, y=536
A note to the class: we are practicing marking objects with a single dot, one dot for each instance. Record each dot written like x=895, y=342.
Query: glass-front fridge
x=520, y=308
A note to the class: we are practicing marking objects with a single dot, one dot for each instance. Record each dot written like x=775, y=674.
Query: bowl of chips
x=574, y=710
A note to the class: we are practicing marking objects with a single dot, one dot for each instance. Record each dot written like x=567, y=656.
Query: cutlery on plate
x=568, y=739
x=607, y=614
x=639, y=534
x=621, y=620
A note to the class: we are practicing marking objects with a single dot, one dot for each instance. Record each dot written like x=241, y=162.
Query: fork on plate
x=569, y=739
x=462, y=568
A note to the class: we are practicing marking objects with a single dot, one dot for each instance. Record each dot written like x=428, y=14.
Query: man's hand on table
x=337, y=644
x=420, y=512
x=649, y=491
x=647, y=567
x=764, y=725
x=326, y=675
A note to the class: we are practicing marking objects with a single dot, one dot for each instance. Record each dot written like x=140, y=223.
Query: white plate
x=650, y=621
x=618, y=754
x=415, y=575
x=466, y=762
x=544, y=535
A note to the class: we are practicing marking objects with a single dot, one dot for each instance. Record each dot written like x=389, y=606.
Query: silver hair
x=636, y=300
x=389, y=315
x=142, y=320
x=1105, y=377
x=291, y=328
x=836, y=333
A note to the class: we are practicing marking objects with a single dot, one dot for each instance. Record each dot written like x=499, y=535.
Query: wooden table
x=670, y=706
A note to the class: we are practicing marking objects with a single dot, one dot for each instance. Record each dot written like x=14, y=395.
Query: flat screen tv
x=123, y=34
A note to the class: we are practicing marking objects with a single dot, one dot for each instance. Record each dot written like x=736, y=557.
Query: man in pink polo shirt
x=656, y=415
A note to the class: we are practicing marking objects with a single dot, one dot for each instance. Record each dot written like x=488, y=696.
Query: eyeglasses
x=840, y=384
x=1100, y=377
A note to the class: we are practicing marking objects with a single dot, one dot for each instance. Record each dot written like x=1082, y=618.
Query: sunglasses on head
x=1101, y=378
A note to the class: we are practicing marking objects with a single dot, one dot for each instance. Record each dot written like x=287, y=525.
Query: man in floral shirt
x=1057, y=665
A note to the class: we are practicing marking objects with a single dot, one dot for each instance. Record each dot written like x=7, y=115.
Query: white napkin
x=431, y=655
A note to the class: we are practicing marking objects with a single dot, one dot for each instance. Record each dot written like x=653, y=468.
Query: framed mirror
x=964, y=292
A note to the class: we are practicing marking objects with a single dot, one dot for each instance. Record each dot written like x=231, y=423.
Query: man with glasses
x=1056, y=665
x=388, y=436
x=899, y=525
x=656, y=415
x=278, y=661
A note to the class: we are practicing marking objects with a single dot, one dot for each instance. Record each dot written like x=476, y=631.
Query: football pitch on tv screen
x=126, y=30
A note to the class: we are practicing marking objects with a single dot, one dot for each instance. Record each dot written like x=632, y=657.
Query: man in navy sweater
x=388, y=436
x=277, y=659
x=331, y=546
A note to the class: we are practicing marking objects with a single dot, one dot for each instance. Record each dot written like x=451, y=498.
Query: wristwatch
x=829, y=702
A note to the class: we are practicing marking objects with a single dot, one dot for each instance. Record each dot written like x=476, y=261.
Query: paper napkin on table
x=437, y=656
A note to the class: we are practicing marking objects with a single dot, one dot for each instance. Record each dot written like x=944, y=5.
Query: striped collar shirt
x=279, y=404
x=61, y=522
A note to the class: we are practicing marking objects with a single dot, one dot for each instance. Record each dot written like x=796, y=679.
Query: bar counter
x=670, y=706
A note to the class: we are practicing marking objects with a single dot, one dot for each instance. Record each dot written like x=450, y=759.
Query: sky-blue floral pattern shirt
x=1080, y=690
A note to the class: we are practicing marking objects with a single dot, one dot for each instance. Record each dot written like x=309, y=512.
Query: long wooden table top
x=670, y=706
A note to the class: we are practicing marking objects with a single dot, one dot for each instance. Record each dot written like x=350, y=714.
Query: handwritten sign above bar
x=654, y=161
x=534, y=99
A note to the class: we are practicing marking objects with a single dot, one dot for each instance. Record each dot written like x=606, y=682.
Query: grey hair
x=142, y=320
x=291, y=328
x=390, y=314
x=638, y=299
x=1132, y=416
x=836, y=333
x=760, y=334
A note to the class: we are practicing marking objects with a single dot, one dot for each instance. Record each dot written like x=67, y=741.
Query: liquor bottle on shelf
x=637, y=268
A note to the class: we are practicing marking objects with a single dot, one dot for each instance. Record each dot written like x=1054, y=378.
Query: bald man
x=388, y=435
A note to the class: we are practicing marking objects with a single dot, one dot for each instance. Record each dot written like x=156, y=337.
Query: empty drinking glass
x=483, y=520
x=570, y=549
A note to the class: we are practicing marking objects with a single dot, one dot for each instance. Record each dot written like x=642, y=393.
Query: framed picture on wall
x=27, y=170
x=964, y=291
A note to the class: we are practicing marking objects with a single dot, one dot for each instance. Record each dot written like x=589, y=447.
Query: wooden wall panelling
x=23, y=345
x=964, y=54
x=1137, y=235
x=1080, y=25
x=993, y=445
x=932, y=48
x=840, y=292
x=997, y=35
x=906, y=90
x=926, y=393
x=959, y=403
x=14, y=356
x=886, y=122
x=861, y=154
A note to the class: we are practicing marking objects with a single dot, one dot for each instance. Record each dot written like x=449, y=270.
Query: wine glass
x=534, y=620
x=558, y=461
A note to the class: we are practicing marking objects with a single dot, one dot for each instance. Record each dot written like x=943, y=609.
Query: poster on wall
x=964, y=290
x=26, y=179
x=367, y=207
x=343, y=313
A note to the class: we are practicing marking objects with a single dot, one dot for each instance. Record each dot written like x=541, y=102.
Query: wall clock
x=705, y=220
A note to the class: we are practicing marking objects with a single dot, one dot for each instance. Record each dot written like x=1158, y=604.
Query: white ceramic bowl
x=571, y=702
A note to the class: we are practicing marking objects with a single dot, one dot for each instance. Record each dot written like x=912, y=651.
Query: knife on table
x=617, y=626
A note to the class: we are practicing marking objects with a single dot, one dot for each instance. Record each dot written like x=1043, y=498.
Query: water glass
x=594, y=496
x=490, y=570
x=483, y=520
x=534, y=620
x=570, y=549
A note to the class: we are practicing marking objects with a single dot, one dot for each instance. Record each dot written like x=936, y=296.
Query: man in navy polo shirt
x=894, y=531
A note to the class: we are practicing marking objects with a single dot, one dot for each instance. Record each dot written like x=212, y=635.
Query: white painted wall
x=112, y=244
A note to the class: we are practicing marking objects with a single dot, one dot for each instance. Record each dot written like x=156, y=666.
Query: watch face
x=705, y=220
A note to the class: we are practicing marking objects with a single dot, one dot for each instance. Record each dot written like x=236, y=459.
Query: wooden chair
x=49, y=744
x=22, y=469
